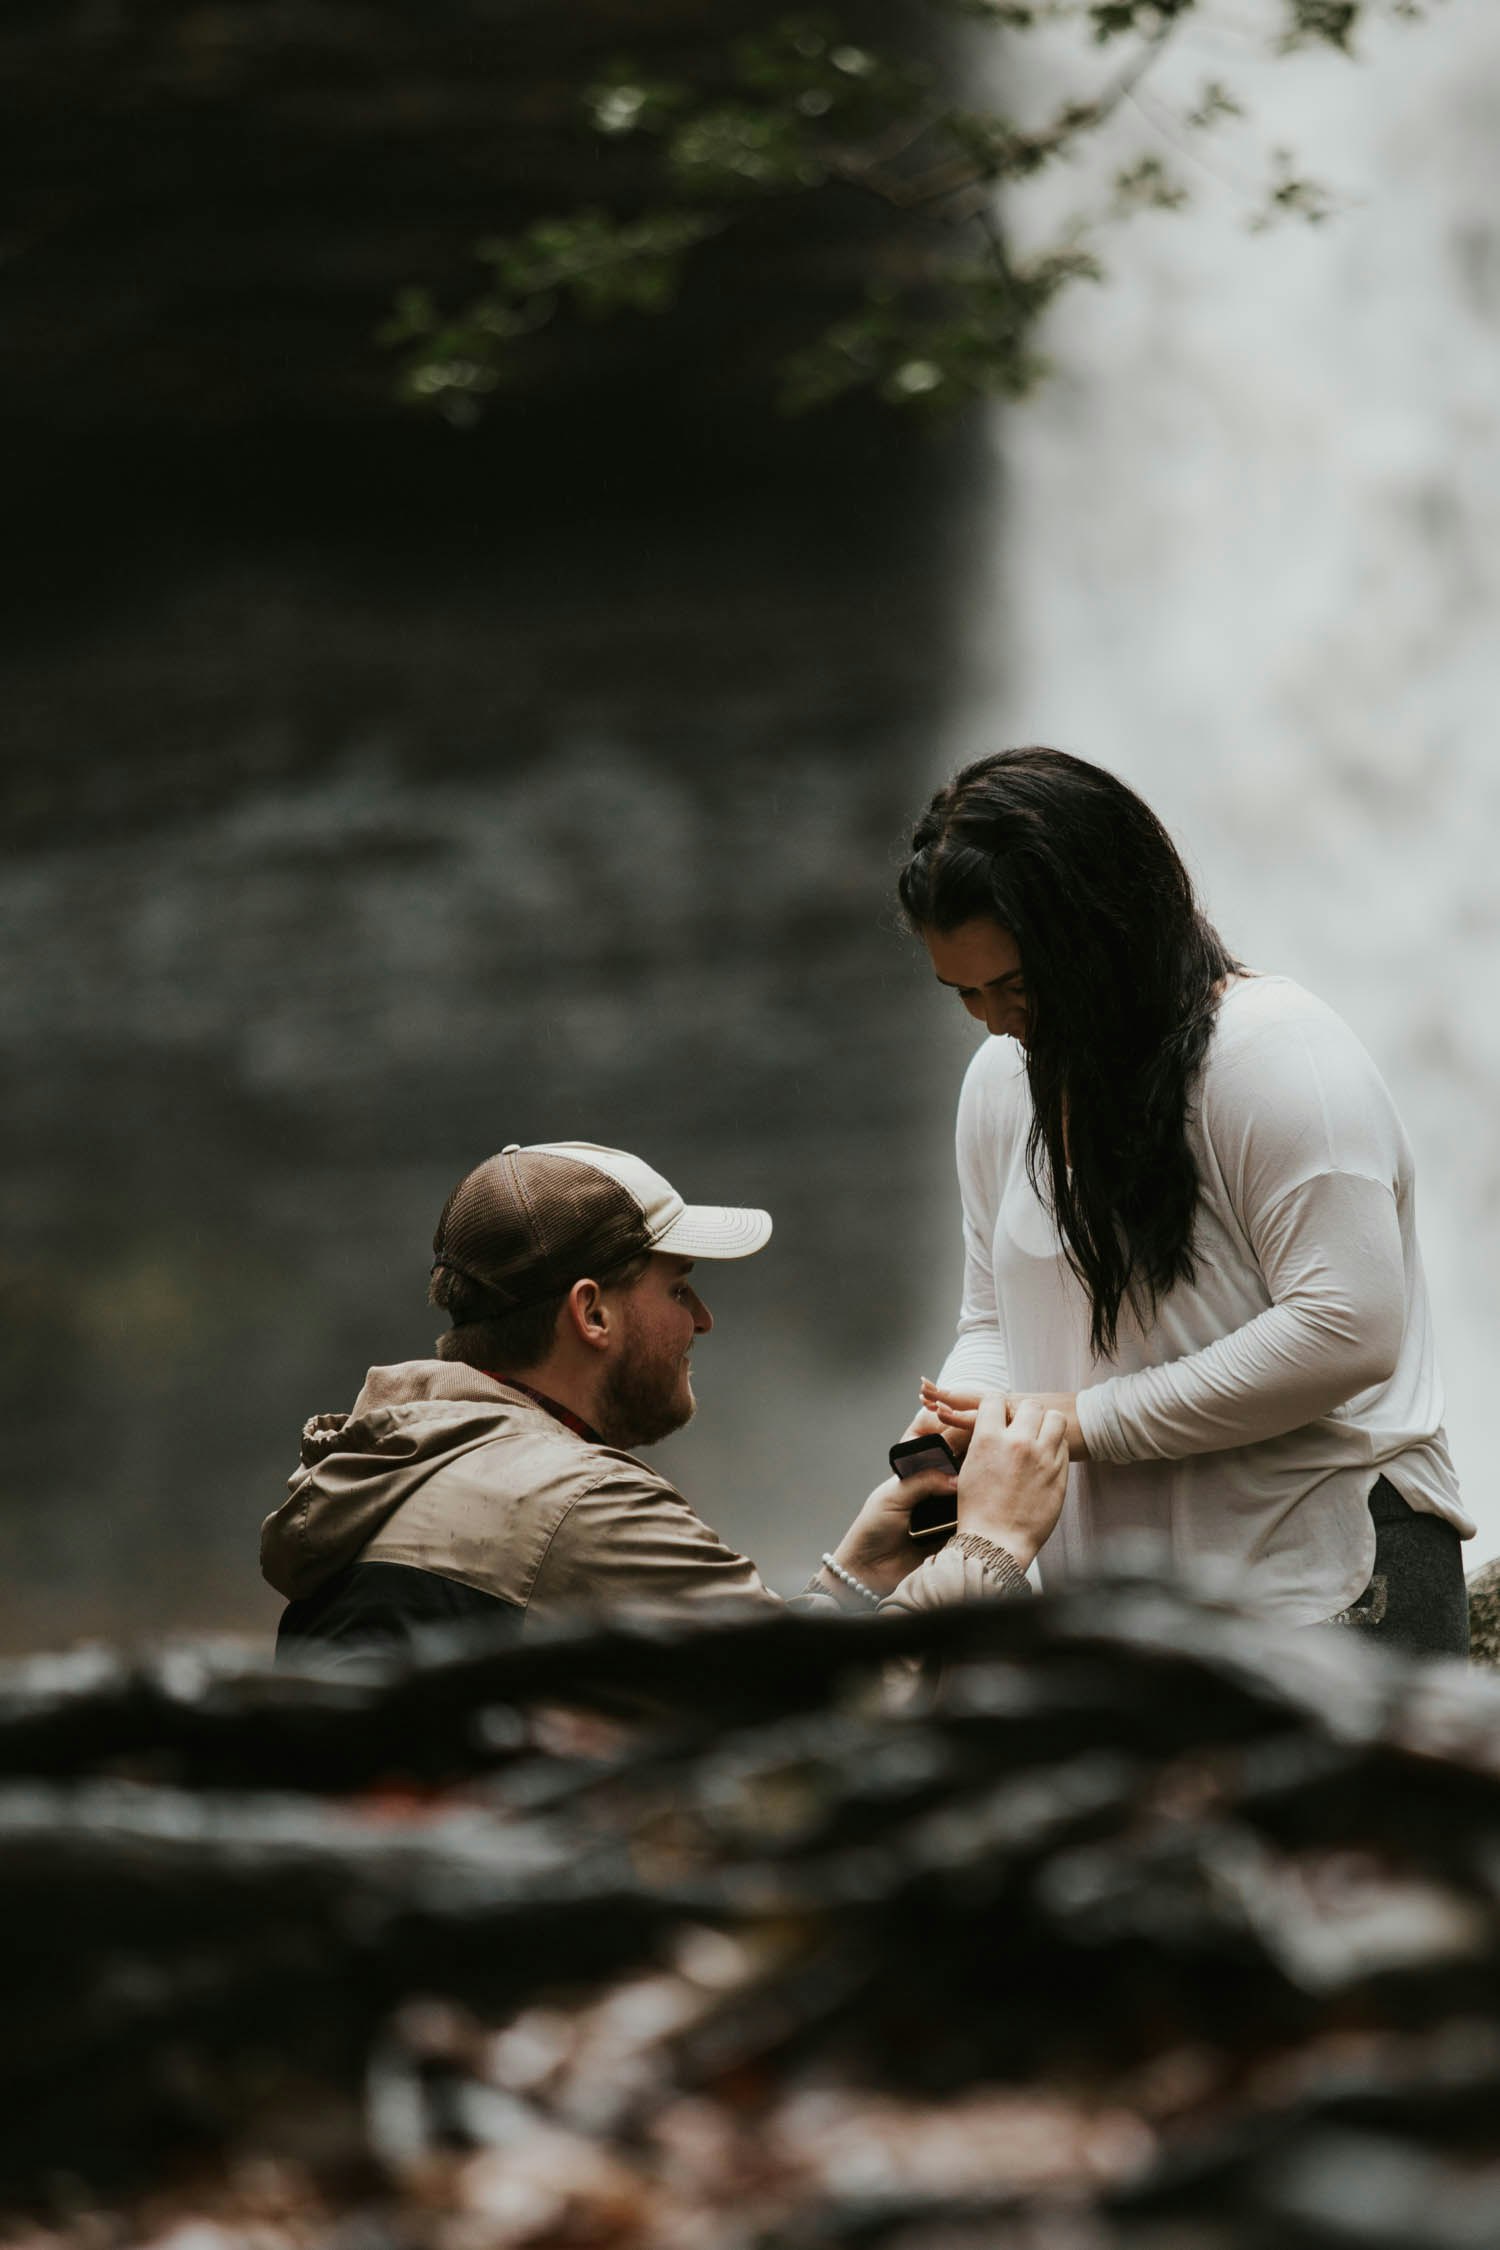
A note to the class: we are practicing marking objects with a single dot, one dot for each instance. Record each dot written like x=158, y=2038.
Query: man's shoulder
x=487, y=1508
x=417, y=1386
x=442, y=1484
x=556, y=1523
x=448, y=1397
x=604, y=1482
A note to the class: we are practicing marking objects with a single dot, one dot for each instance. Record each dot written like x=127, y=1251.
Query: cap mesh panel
x=525, y=1226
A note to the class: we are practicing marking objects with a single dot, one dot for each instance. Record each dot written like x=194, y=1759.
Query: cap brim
x=712, y=1230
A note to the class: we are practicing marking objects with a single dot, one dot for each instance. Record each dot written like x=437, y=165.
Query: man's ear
x=587, y=1316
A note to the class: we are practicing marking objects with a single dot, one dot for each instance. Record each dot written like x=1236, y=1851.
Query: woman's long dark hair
x=1120, y=969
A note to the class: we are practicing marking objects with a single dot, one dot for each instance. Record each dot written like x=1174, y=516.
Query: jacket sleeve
x=630, y=1542
x=956, y=1575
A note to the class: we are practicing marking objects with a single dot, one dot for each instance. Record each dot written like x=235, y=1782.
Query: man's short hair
x=508, y=1343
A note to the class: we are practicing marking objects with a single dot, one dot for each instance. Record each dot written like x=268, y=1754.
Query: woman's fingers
x=937, y=1394
x=957, y=1417
x=953, y=1412
x=957, y=1408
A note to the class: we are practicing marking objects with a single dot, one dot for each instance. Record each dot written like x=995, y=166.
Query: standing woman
x=1188, y=1217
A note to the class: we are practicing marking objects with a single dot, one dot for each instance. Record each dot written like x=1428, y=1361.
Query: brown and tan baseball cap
x=530, y=1222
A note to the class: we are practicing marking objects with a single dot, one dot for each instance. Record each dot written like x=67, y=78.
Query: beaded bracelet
x=855, y=1585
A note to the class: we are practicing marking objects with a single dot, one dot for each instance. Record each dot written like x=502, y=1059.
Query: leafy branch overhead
x=805, y=110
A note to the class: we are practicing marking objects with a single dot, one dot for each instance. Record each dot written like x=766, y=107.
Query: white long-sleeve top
x=1245, y=1420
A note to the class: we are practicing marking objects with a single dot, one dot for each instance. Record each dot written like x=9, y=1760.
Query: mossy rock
x=1484, y=1614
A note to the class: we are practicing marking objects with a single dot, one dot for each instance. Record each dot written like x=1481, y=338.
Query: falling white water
x=1248, y=554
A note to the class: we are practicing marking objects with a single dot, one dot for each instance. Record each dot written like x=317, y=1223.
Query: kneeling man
x=499, y=1481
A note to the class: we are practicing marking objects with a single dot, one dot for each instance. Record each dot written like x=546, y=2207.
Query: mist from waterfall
x=1246, y=552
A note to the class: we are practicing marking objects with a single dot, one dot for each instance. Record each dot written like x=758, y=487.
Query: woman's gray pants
x=1416, y=1598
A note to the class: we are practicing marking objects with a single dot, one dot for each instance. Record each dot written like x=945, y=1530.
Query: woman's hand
x=1015, y=1475
x=878, y=1547
x=955, y=1412
x=951, y=1412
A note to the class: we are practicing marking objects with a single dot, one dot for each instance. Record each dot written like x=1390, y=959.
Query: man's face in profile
x=648, y=1391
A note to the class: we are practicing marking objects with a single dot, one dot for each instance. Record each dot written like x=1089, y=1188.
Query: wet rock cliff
x=377, y=793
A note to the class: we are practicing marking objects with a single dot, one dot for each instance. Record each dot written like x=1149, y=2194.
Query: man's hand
x=1015, y=1474
x=954, y=1412
x=878, y=1547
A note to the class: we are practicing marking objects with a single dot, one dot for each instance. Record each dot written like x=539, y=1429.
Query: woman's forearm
x=1334, y=1331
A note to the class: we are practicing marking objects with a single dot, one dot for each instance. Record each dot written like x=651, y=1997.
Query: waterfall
x=1247, y=553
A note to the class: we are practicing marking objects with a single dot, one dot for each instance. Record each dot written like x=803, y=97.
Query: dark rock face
x=338, y=871
x=377, y=793
x=1148, y=1926
x=217, y=202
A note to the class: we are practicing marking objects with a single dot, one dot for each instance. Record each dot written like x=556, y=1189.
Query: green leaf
x=1213, y=105
x=1006, y=15
x=413, y=314
x=1293, y=197
x=805, y=66
x=735, y=148
x=1113, y=19
x=1330, y=22
x=1147, y=185
x=806, y=103
x=979, y=346
x=598, y=264
x=625, y=101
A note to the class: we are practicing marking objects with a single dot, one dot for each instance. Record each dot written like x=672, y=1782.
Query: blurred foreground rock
x=1145, y=1928
x=1484, y=1614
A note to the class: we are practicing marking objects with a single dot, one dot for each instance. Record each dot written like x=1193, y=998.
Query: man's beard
x=642, y=1402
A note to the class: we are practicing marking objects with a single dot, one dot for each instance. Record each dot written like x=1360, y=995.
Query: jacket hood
x=357, y=1468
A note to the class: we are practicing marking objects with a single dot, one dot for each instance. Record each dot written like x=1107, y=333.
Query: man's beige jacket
x=439, y=1468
